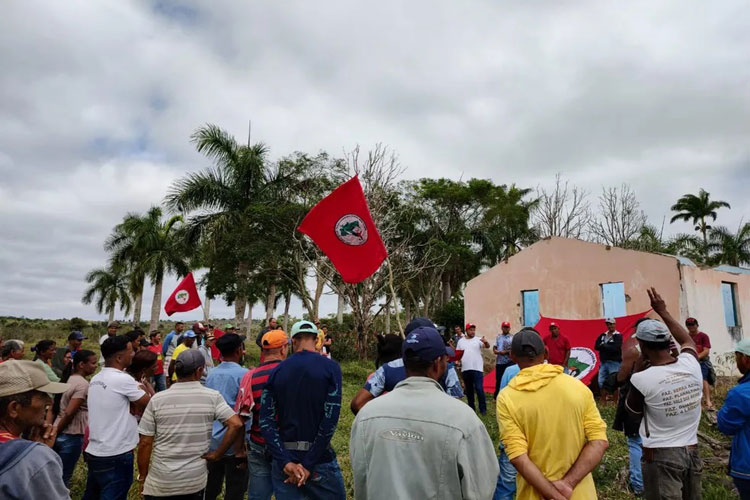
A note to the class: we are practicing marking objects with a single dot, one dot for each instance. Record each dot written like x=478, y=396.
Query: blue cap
x=76, y=335
x=425, y=343
x=416, y=323
x=189, y=334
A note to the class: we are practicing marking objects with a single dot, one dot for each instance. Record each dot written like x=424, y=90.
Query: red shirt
x=701, y=341
x=214, y=351
x=557, y=348
x=258, y=382
x=156, y=349
x=6, y=436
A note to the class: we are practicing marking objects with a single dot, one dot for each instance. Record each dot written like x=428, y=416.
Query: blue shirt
x=388, y=375
x=167, y=340
x=301, y=402
x=502, y=343
x=734, y=420
x=226, y=379
x=509, y=373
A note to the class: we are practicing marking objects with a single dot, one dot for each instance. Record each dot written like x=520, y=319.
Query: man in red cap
x=703, y=344
x=472, y=366
x=501, y=349
x=558, y=347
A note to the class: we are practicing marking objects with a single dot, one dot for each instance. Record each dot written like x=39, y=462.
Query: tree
x=697, y=209
x=563, y=211
x=728, y=248
x=108, y=288
x=620, y=217
x=505, y=229
x=160, y=248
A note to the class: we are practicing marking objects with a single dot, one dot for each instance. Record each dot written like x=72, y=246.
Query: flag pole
x=394, y=298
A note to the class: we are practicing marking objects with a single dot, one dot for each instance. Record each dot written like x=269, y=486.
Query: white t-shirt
x=472, y=358
x=112, y=429
x=672, y=402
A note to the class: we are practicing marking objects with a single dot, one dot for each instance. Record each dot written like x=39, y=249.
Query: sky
x=98, y=101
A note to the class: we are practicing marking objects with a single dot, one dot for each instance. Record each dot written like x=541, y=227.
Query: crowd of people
x=194, y=421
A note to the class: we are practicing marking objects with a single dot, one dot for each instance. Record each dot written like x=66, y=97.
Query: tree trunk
x=137, y=306
x=340, y=309
x=156, y=304
x=111, y=315
x=249, y=321
x=319, y=284
x=387, y=321
x=206, y=308
x=446, y=290
x=287, y=302
x=239, y=311
x=271, y=301
x=407, y=310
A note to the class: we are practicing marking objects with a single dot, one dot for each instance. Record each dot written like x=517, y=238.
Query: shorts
x=705, y=370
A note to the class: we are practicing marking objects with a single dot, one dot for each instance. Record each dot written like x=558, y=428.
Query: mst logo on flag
x=342, y=227
x=182, y=297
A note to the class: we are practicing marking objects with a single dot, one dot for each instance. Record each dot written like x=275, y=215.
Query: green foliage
x=451, y=314
x=77, y=324
x=697, y=208
x=108, y=287
x=728, y=248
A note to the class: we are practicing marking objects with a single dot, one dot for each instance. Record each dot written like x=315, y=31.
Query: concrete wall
x=702, y=292
x=568, y=274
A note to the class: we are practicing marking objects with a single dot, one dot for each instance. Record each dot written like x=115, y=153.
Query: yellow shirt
x=319, y=342
x=550, y=417
x=177, y=350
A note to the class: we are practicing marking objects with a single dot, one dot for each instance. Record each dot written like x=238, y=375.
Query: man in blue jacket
x=734, y=420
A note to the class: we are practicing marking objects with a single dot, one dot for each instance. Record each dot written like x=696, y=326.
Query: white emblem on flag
x=182, y=297
x=351, y=230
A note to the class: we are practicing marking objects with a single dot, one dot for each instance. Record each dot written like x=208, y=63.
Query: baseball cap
x=424, y=343
x=610, y=320
x=553, y=324
x=113, y=324
x=505, y=323
x=189, y=361
x=743, y=346
x=274, y=339
x=189, y=334
x=303, y=327
x=76, y=335
x=527, y=342
x=198, y=327
x=470, y=325
x=228, y=326
x=21, y=376
x=229, y=342
x=652, y=330
x=416, y=323
x=691, y=321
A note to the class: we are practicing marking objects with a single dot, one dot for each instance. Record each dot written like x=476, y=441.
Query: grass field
x=611, y=476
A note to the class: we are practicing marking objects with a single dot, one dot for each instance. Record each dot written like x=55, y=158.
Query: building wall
x=704, y=302
x=568, y=274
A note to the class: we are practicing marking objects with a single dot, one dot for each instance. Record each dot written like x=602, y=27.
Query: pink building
x=574, y=279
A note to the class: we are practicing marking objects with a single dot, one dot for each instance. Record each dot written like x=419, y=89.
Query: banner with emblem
x=342, y=227
x=184, y=298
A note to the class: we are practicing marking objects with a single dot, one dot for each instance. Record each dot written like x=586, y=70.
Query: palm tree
x=732, y=249
x=126, y=254
x=108, y=287
x=697, y=209
x=153, y=248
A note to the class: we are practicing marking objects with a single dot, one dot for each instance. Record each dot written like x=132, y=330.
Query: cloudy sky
x=98, y=100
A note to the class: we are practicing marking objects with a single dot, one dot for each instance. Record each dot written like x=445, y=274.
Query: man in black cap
x=567, y=443
x=418, y=442
x=75, y=339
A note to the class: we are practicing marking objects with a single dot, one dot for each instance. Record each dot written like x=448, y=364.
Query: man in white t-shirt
x=112, y=328
x=667, y=393
x=113, y=430
x=472, y=366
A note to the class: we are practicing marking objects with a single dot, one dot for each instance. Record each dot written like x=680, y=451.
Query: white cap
x=652, y=330
x=610, y=320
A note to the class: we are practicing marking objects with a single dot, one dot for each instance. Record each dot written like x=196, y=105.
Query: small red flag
x=341, y=225
x=184, y=298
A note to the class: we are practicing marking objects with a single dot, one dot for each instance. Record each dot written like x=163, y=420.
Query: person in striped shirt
x=275, y=349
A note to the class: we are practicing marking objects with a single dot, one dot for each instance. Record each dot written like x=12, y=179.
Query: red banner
x=582, y=334
x=184, y=298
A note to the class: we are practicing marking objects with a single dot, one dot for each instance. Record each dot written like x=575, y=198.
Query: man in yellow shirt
x=188, y=339
x=550, y=426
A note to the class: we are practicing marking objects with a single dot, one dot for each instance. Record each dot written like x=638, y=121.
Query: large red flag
x=341, y=225
x=582, y=334
x=184, y=298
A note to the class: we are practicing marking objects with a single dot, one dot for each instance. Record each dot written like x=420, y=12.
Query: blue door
x=727, y=297
x=530, y=307
x=613, y=300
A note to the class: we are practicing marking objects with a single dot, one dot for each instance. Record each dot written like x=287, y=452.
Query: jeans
x=236, y=479
x=69, y=447
x=743, y=486
x=499, y=371
x=109, y=478
x=672, y=474
x=506, y=480
x=606, y=369
x=260, y=486
x=474, y=381
x=636, y=452
x=325, y=483
x=191, y=496
x=160, y=382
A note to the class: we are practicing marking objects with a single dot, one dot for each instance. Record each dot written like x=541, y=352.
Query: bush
x=451, y=314
x=77, y=324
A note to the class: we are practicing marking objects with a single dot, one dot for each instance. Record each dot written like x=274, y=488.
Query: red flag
x=184, y=298
x=582, y=334
x=341, y=225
